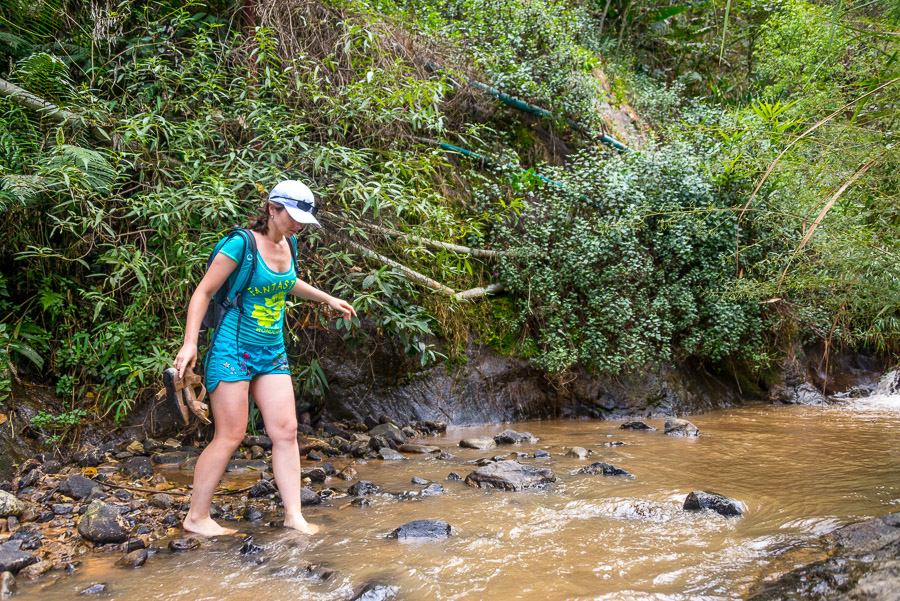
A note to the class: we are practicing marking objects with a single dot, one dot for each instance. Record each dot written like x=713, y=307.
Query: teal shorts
x=229, y=361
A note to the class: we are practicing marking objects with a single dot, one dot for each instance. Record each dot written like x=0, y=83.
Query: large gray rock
x=78, y=487
x=422, y=529
x=363, y=488
x=138, y=467
x=102, y=523
x=390, y=432
x=510, y=475
x=701, y=499
x=309, y=497
x=13, y=559
x=681, y=427
x=10, y=505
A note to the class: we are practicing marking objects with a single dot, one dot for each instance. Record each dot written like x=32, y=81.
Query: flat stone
x=419, y=481
x=636, y=425
x=419, y=529
x=13, y=559
x=432, y=489
x=102, y=523
x=171, y=458
x=513, y=437
x=510, y=475
x=10, y=505
x=423, y=449
x=681, y=427
x=542, y=454
x=35, y=570
x=478, y=442
x=578, y=452
x=94, y=589
x=701, y=499
x=244, y=465
x=605, y=469
x=389, y=454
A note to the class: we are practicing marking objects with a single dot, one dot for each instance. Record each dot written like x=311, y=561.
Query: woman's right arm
x=219, y=270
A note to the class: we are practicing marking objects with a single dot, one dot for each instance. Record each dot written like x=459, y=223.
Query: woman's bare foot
x=300, y=525
x=205, y=527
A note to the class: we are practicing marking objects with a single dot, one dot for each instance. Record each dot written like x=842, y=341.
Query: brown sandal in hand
x=180, y=394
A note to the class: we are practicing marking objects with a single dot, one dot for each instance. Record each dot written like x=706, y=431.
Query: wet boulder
x=94, y=589
x=681, y=427
x=513, y=437
x=541, y=454
x=604, y=469
x=700, y=499
x=389, y=454
x=13, y=558
x=363, y=488
x=184, y=544
x=510, y=475
x=432, y=489
x=36, y=570
x=30, y=536
x=390, y=432
x=263, y=488
x=78, y=487
x=422, y=529
x=10, y=505
x=102, y=523
x=636, y=425
x=478, y=442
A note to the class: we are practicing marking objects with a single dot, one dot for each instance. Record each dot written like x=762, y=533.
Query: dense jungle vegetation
x=757, y=203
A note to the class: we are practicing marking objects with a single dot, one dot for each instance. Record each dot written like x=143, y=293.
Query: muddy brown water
x=801, y=472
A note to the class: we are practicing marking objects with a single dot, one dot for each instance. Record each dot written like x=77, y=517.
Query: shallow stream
x=800, y=471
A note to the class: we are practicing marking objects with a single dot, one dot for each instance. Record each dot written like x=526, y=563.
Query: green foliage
x=55, y=427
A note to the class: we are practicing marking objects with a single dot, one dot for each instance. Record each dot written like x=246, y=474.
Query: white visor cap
x=297, y=199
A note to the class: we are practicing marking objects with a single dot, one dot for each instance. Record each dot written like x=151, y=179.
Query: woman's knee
x=233, y=437
x=284, y=430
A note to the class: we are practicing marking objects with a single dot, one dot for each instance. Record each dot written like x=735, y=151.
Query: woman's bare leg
x=274, y=395
x=229, y=407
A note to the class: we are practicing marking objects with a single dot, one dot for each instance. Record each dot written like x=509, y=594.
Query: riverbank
x=621, y=537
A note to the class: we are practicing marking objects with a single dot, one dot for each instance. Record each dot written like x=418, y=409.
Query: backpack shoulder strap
x=244, y=276
x=292, y=244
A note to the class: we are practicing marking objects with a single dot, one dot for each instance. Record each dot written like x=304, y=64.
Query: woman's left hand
x=343, y=306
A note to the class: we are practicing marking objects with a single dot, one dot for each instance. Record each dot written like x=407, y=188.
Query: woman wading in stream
x=247, y=354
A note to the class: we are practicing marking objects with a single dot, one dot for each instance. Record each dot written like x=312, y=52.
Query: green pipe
x=526, y=107
x=487, y=160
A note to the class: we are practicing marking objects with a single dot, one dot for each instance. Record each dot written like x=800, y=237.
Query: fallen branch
x=413, y=275
x=474, y=293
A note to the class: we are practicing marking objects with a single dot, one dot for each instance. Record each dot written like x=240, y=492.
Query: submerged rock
x=133, y=560
x=36, y=570
x=510, y=475
x=7, y=585
x=389, y=454
x=102, y=523
x=862, y=564
x=376, y=592
x=636, y=425
x=606, y=469
x=513, y=437
x=422, y=529
x=681, y=427
x=700, y=499
x=542, y=454
x=183, y=544
x=94, y=589
x=478, y=442
x=423, y=449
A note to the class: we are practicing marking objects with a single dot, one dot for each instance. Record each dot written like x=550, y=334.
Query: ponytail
x=260, y=223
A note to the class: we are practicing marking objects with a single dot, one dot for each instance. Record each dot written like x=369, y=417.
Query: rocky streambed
x=494, y=508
